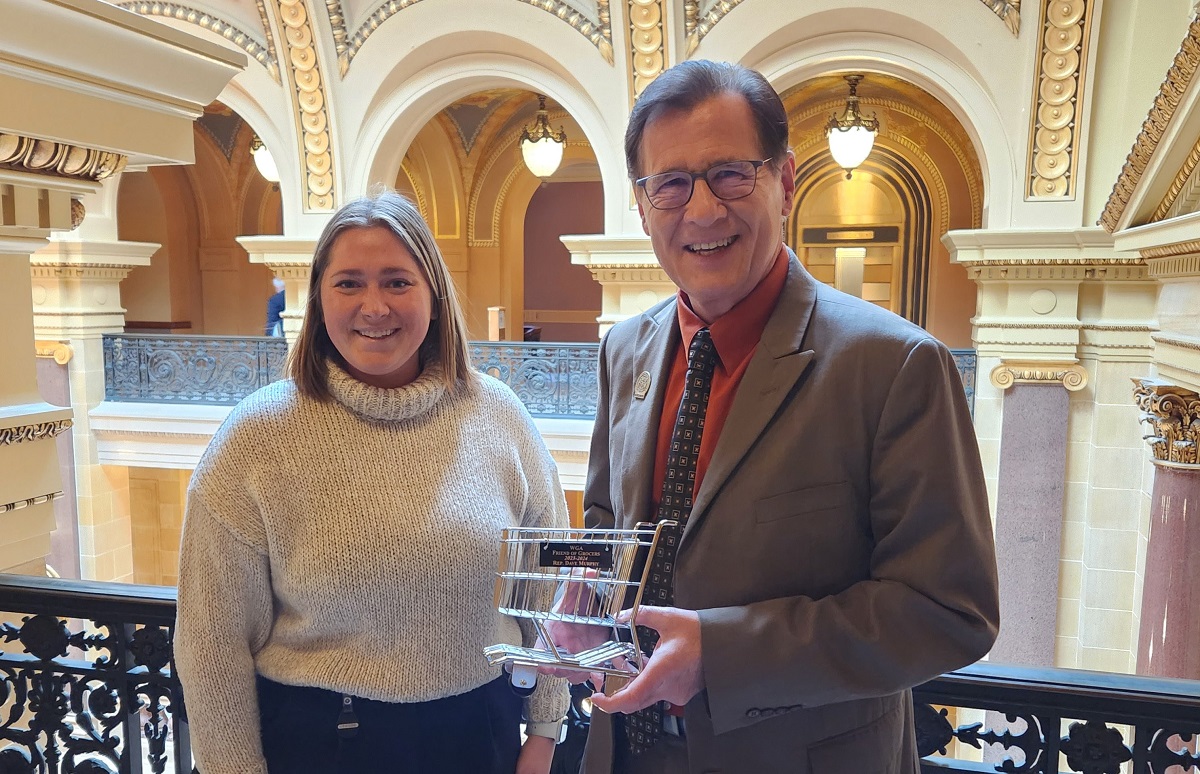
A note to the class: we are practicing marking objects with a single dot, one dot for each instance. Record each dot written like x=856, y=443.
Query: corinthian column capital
x=1173, y=416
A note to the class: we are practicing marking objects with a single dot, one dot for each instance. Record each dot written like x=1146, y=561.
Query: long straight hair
x=446, y=341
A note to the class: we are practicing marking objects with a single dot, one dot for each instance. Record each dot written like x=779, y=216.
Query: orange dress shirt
x=735, y=336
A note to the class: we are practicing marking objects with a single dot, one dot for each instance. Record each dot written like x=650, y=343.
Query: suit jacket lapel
x=777, y=364
x=659, y=340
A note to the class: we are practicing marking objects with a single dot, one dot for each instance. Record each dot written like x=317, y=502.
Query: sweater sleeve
x=224, y=617
x=545, y=506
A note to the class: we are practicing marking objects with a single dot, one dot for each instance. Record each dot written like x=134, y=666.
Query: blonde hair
x=446, y=341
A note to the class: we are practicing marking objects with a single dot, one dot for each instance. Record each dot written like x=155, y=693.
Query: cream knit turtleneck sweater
x=352, y=545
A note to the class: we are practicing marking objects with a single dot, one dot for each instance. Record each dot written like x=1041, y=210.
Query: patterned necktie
x=643, y=727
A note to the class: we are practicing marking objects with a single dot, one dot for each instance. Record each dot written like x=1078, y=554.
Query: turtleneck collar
x=388, y=404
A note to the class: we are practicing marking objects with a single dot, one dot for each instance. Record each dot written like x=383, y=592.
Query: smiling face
x=714, y=250
x=377, y=306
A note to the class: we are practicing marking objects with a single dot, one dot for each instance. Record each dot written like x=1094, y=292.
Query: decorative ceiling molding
x=1179, y=77
x=316, y=151
x=647, y=43
x=46, y=157
x=697, y=23
x=598, y=31
x=337, y=20
x=1058, y=89
x=260, y=50
x=1009, y=12
x=1184, y=194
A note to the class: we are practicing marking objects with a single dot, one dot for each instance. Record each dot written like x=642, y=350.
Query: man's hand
x=579, y=598
x=674, y=673
x=536, y=755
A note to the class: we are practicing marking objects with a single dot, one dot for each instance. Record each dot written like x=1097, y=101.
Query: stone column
x=629, y=274
x=77, y=299
x=1170, y=620
x=291, y=260
x=30, y=207
x=1064, y=321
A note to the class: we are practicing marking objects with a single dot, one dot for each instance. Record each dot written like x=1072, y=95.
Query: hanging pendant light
x=851, y=136
x=264, y=160
x=541, y=147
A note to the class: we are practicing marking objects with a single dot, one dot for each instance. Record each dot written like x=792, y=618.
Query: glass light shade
x=542, y=157
x=266, y=164
x=850, y=147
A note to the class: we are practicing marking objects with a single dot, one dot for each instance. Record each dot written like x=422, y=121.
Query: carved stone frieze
x=260, y=50
x=1070, y=375
x=1176, y=260
x=305, y=73
x=647, y=42
x=46, y=157
x=598, y=31
x=1183, y=196
x=1008, y=11
x=22, y=433
x=30, y=502
x=1173, y=416
x=1058, y=88
x=1165, y=104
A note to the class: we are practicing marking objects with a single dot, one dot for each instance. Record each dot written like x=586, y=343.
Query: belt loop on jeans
x=347, y=722
x=675, y=726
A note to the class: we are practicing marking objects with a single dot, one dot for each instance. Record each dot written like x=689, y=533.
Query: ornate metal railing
x=86, y=679
x=207, y=370
x=552, y=380
x=87, y=685
x=1052, y=720
x=967, y=361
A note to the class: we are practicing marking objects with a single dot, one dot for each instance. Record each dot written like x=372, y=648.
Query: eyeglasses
x=729, y=180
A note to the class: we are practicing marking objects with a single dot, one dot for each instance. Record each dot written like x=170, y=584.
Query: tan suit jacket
x=839, y=549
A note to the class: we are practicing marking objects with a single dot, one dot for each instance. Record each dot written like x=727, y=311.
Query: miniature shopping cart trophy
x=574, y=576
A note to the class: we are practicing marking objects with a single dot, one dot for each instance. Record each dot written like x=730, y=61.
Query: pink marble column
x=1170, y=620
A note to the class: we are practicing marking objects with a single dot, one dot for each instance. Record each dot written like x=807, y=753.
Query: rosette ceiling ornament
x=541, y=146
x=851, y=135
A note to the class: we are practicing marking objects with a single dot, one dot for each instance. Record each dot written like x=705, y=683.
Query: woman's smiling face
x=377, y=305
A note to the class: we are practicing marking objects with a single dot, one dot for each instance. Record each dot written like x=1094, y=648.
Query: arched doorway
x=878, y=234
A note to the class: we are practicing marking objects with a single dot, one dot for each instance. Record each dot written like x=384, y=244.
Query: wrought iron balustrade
x=1057, y=720
x=552, y=379
x=87, y=683
x=201, y=370
x=967, y=361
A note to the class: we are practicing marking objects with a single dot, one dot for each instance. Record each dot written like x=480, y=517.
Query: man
x=837, y=548
x=275, y=307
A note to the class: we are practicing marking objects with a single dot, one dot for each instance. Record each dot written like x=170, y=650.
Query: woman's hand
x=536, y=755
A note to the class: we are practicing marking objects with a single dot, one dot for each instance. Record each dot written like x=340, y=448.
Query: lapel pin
x=641, y=387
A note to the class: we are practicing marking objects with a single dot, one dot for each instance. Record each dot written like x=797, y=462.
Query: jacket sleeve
x=224, y=617
x=930, y=603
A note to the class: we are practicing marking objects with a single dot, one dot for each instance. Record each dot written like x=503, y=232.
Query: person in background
x=835, y=546
x=275, y=307
x=342, y=535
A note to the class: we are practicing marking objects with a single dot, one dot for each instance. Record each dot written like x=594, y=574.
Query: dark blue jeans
x=472, y=733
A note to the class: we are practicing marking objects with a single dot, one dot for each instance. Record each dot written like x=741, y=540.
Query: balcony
x=87, y=685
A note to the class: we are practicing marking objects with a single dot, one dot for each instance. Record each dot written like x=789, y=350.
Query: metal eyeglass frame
x=641, y=182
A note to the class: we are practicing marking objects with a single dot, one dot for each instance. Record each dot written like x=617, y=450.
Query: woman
x=342, y=535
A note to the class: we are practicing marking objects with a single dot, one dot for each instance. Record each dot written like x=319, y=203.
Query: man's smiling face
x=715, y=250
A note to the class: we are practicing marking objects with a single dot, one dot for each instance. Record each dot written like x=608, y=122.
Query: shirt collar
x=735, y=334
